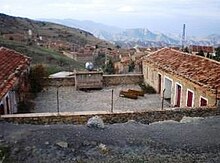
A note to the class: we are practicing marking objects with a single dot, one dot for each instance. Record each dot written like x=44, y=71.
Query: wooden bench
x=136, y=92
x=127, y=95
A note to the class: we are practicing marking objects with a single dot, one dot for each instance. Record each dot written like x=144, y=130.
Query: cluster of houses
x=183, y=79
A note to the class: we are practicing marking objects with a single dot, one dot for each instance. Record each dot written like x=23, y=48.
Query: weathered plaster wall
x=151, y=77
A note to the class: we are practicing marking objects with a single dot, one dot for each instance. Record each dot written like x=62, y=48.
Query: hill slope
x=48, y=32
x=55, y=61
x=44, y=42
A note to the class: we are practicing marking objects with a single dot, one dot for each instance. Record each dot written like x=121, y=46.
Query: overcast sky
x=202, y=17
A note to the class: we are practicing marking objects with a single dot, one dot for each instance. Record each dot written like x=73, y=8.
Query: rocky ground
x=191, y=140
x=71, y=100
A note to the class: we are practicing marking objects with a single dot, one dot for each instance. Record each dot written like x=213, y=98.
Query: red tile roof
x=202, y=71
x=11, y=64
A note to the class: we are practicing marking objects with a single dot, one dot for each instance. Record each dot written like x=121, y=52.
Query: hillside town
x=65, y=90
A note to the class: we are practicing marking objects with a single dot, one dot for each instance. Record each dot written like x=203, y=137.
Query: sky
x=202, y=17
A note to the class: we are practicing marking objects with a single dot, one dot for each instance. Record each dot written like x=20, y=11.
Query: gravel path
x=95, y=100
x=169, y=141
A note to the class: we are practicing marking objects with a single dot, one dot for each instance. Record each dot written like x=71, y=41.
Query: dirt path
x=197, y=141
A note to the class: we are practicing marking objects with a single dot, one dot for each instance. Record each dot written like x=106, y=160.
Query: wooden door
x=159, y=84
x=178, y=97
x=189, y=99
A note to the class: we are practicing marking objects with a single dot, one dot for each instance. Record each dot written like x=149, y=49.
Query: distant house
x=14, y=68
x=122, y=65
x=187, y=80
x=207, y=50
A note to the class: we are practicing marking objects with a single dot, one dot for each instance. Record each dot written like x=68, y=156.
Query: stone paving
x=71, y=100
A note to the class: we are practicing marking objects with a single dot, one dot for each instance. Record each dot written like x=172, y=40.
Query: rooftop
x=202, y=71
x=11, y=63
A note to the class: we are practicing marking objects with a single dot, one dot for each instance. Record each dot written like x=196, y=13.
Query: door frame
x=171, y=91
x=176, y=93
x=193, y=96
x=200, y=99
x=159, y=83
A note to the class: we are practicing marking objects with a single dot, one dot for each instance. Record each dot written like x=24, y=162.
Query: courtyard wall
x=108, y=80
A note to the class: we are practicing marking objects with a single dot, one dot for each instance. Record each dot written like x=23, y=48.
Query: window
x=203, y=101
x=190, y=98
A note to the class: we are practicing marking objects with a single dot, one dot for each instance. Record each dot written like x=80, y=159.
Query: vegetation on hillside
x=217, y=54
x=109, y=67
x=54, y=60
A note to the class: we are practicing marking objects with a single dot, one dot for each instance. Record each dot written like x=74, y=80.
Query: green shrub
x=147, y=88
x=37, y=78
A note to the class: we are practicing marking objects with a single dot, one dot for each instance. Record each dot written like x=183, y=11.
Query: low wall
x=118, y=79
x=108, y=80
x=64, y=81
x=109, y=118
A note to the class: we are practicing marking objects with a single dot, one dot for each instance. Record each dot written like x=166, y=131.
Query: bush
x=147, y=88
x=37, y=78
x=25, y=106
x=109, y=69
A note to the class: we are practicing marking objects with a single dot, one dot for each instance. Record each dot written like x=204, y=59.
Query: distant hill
x=43, y=41
x=48, y=31
x=135, y=36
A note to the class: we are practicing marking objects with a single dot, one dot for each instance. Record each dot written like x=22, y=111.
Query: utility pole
x=162, y=99
x=112, y=101
x=58, y=102
x=183, y=36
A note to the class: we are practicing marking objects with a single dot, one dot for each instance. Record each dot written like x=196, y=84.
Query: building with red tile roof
x=188, y=80
x=14, y=68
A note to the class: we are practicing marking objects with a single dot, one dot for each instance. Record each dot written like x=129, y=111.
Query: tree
x=200, y=53
x=186, y=50
x=131, y=66
x=110, y=67
x=37, y=77
x=217, y=54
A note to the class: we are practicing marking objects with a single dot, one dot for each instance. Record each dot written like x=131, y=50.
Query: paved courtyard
x=71, y=100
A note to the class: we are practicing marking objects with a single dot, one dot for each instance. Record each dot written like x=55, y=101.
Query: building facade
x=183, y=79
x=14, y=69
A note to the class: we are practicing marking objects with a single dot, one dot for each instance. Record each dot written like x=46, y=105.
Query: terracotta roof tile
x=11, y=62
x=200, y=70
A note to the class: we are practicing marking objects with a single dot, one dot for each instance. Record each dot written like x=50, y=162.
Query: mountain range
x=135, y=36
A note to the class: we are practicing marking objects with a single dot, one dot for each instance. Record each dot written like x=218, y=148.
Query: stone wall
x=108, y=80
x=67, y=81
x=109, y=118
x=118, y=79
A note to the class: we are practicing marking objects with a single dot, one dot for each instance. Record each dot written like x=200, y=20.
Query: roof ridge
x=185, y=53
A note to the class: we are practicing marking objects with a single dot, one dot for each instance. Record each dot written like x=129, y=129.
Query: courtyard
x=71, y=100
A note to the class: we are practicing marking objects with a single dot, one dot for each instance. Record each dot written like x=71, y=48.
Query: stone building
x=187, y=80
x=14, y=68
